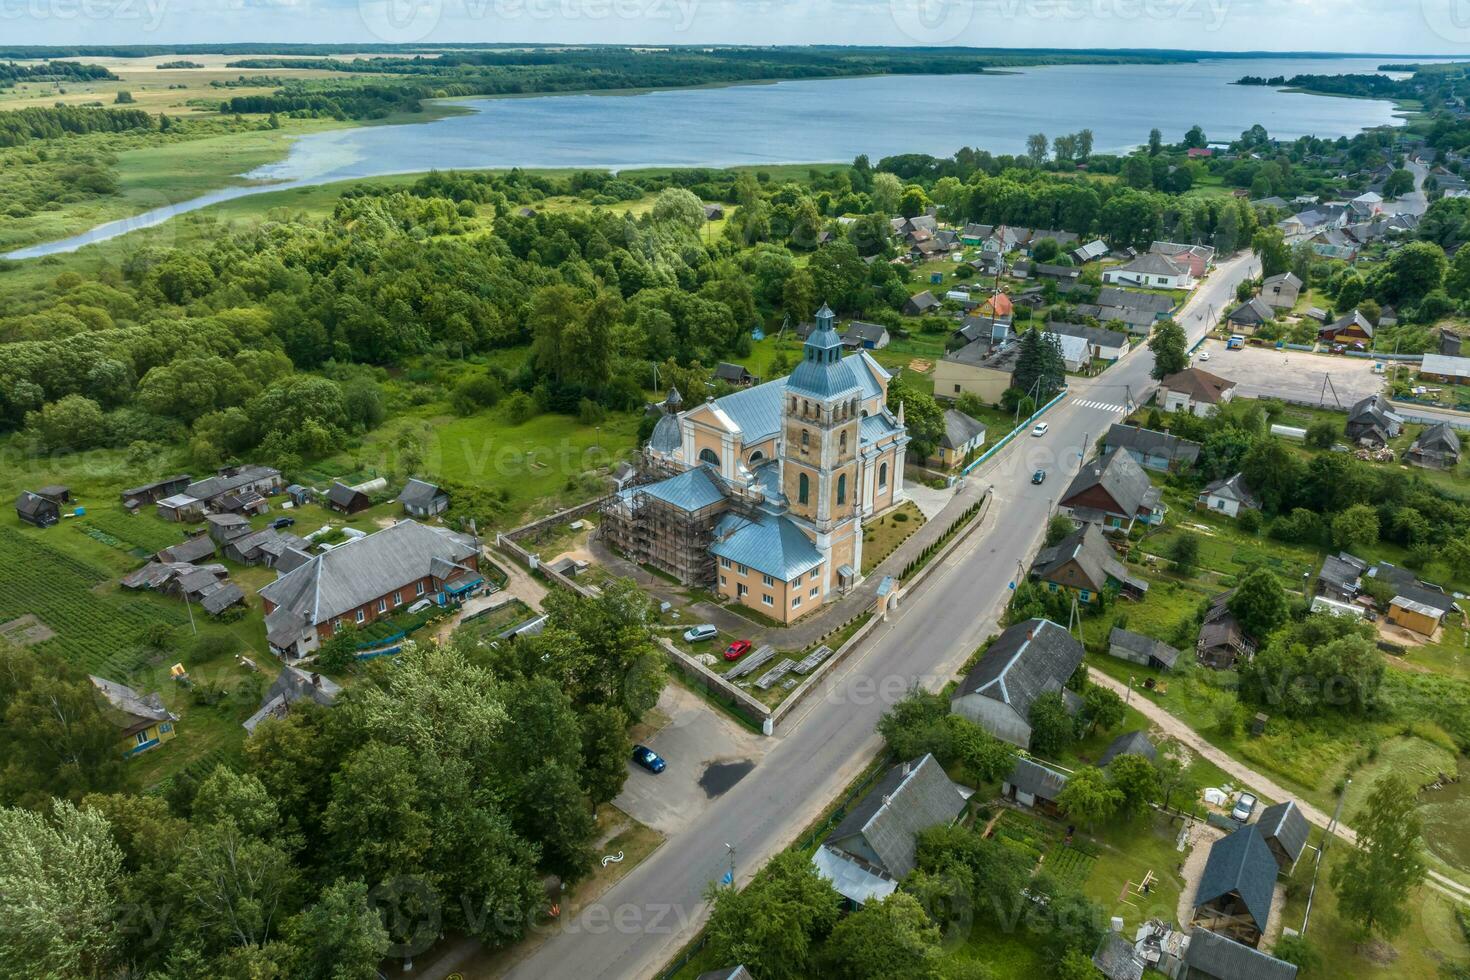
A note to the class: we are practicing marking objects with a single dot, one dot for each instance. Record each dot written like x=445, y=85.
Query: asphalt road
x=644, y=920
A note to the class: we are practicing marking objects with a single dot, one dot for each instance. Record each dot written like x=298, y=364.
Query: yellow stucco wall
x=987, y=384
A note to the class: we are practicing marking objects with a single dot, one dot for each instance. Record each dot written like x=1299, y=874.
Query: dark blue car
x=648, y=759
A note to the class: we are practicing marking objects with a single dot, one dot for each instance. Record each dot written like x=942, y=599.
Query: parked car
x=1204, y=355
x=1040, y=429
x=737, y=649
x=700, y=633
x=281, y=522
x=649, y=759
x=1244, y=807
x=1039, y=476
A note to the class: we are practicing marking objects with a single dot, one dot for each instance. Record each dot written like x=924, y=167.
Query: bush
x=900, y=517
x=1249, y=520
x=1322, y=434
x=519, y=408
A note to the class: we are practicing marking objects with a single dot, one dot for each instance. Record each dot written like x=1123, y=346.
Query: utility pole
x=190, y=606
x=1317, y=868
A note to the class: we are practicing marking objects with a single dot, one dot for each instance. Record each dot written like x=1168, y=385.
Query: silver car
x=1244, y=807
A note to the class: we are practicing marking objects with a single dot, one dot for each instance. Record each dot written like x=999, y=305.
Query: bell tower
x=821, y=416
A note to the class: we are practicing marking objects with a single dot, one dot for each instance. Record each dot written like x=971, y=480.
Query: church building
x=761, y=495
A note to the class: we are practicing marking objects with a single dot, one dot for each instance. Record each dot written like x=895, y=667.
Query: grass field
x=882, y=536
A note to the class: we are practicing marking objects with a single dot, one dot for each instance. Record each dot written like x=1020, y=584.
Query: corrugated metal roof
x=769, y=544
x=876, y=427
x=691, y=490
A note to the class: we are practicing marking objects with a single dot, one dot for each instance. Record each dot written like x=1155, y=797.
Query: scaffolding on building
x=651, y=531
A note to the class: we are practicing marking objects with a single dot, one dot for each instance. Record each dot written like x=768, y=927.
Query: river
x=809, y=121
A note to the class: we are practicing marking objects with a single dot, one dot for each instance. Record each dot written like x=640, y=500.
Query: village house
x=1195, y=391
x=714, y=212
x=1436, y=448
x=142, y=721
x=992, y=329
x=1114, y=492
x=224, y=528
x=734, y=375
x=346, y=500
x=1028, y=660
x=1076, y=354
x=1440, y=369
x=1284, y=830
x=1103, y=344
x=920, y=304
x=1139, y=323
x=265, y=546
x=875, y=845
x=1085, y=565
x=367, y=578
x=1247, y=317
x=234, y=489
x=868, y=336
x=1222, y=642
x=1032, y=784
x=1212, y=957
x=1417, y=605
x=1159, y=304
x=1129, y=743
x=422, y=499
x=1373, y=422
x=980, y=368
x=761, y=495
x=1341, y=577
x=1117, y=959
x=1350, y=328
x=1234, y=894
x=1153, y=271
x=1281, y=291
x=1162, y=452
x=293, y=686
x=192, y=549
x=150, y=493
x=36, y=510
x=1198, y=258
x=1091, y=252
x=962, y=436
x=1142, y=650
x=1228, y=496
x=1414, y=615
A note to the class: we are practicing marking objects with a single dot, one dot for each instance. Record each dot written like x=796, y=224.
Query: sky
x=1348, y=26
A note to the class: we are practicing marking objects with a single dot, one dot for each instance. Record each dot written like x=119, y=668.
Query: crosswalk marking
x=1100, y=406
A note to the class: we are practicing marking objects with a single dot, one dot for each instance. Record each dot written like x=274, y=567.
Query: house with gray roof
x=423, y=499
x=1162, y=452
x=36, y=510
x=1151, y=270
x=1234, y=894
x=1436, y=448
x=875, y=845
x=142, y=721
x=1214, y=957
x=293, y=686
x=1091, y=252
x=1084, y=564
x=734, y=374
x=1032, y=784
x=1131, y=299
x=191, y=549
x=367, y=578
x=1116, y=959
x=1228, y=496
x=1372, y=421
x=868, y=336
x=962, y=436
x=1142, y=650
x=149, y=493
x=1247, y=316
x=920, y=303
x=1341, y=577
x=1284, y=830
x=1222, y=641
x=1281, y=291
x=346, y=500
x=1139, y=323
x=1129, y=743
x=1103, y=344
x=1113, y=491
x=1028, y=660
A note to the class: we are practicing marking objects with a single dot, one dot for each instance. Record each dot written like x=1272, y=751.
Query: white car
x=1040, y=429
x=1204, y=355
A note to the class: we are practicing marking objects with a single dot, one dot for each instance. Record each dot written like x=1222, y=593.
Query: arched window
x=842, y=443
x=883, y=475
x=756, y=457
x=709, y=456
x=806, y=439
x=842, y=490
x=803, y=485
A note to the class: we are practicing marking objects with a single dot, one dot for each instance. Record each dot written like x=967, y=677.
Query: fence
x=1005, y=439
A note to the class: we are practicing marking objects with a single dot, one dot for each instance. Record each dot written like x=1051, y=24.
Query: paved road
x=646, y=918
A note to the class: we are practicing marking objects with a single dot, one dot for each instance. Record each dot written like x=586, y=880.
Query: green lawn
x=883, y=536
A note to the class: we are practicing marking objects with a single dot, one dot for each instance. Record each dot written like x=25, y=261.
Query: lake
x=811, y=121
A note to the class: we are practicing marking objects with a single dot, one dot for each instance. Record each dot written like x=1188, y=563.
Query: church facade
x=772, y=484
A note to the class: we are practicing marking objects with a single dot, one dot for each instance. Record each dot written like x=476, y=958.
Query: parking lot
x=1291, y=375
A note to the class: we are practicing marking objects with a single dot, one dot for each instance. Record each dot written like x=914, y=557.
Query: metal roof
x=1240, y=863
x=1120, y=477
x=876, y=427
x=1220, y=956
x=1031, y=777
x=771, y=545
x=1151, y=441
x=1024, y=662
x=1284, y=822
x=419, y=493
x=1146, y=645
x=959, y=429
x=1129, y=743
x=883, y=827
x=691, y=490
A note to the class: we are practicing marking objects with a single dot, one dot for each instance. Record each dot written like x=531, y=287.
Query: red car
x=737, y=650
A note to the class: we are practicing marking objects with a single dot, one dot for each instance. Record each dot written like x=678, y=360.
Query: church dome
x=667, y=436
